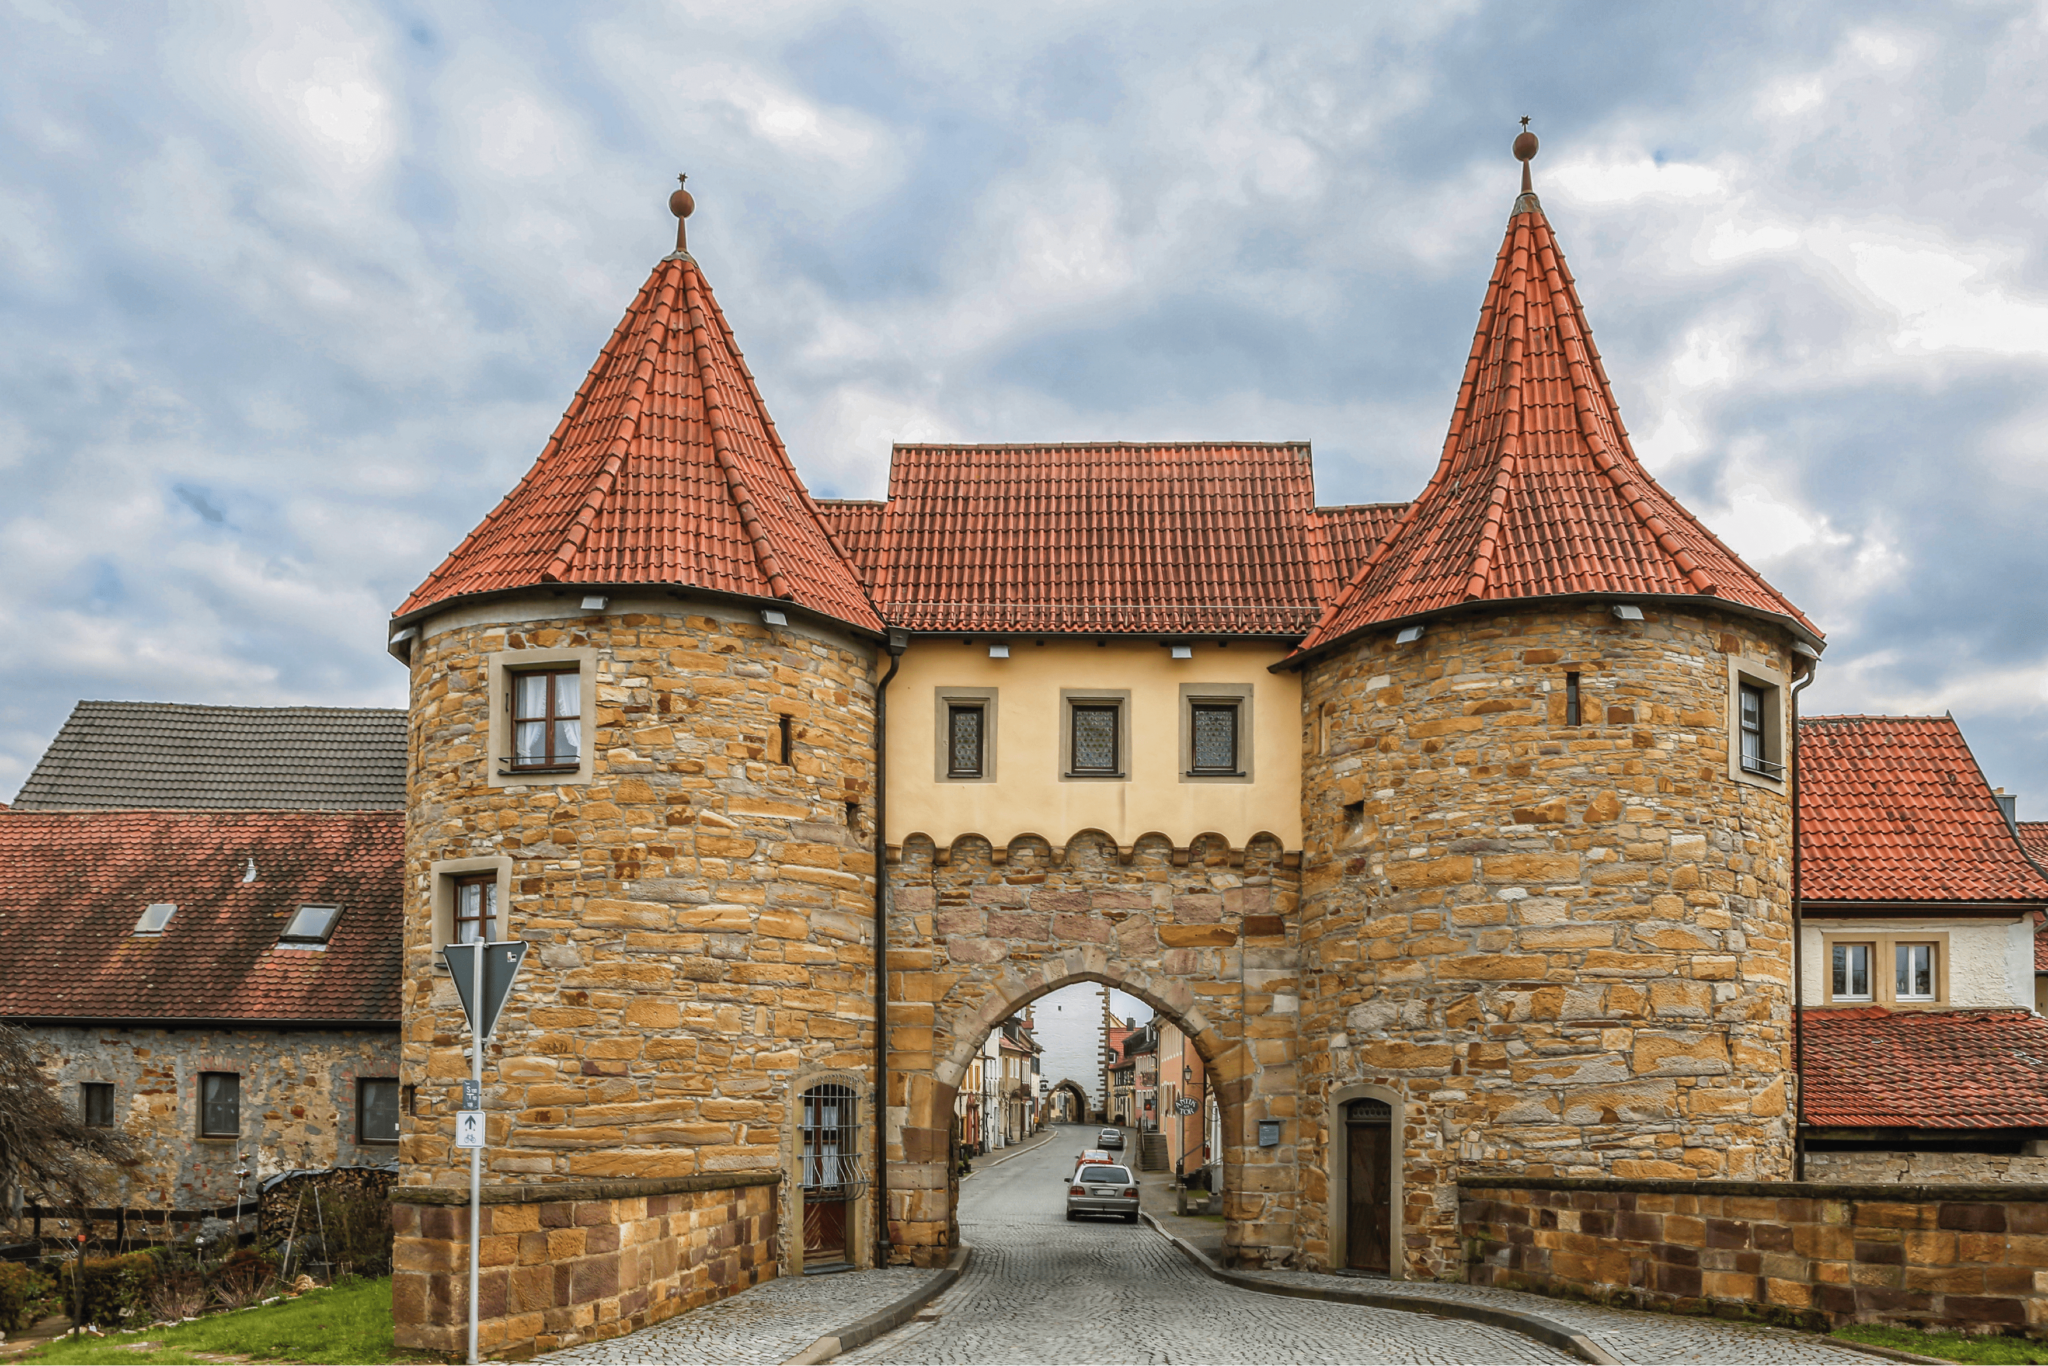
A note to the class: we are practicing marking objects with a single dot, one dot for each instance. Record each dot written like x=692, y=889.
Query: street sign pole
x=476, y=1155
x=483, y=979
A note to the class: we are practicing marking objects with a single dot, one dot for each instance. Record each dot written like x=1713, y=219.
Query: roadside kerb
x=1531, y=1325
x=863, y=1331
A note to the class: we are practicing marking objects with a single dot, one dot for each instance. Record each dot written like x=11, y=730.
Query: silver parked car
x=1103, y=1190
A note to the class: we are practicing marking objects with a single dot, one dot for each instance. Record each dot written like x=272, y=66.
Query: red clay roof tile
x=1538, y=492
x=1951, y=1069
x=73, y=883
x=666, y=469
x=1894, y=808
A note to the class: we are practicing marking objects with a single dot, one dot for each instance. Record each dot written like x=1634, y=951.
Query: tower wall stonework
x=1567, y=949
x=698, y=913
x=1204, y=934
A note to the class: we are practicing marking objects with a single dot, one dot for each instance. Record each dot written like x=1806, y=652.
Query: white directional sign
x=469, y=1129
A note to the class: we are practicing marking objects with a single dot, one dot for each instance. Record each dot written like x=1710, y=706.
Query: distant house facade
x=1925, y=1056
x=199, y=913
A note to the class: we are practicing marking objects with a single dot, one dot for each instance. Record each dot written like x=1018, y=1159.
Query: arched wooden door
x=1368, y=1185
x=832, y=1174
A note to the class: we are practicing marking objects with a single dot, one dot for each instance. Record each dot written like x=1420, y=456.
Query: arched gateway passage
x=1067, y=1102
x=1203, y=935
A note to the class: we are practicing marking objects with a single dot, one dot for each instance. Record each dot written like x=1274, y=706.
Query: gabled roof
x=73, y=884
x=1095, y=538
x=1538, y=492
x=1950, y=1069
x=665, y=471
x=1354, y=531
x=1894, y=808
x=2034, y=839
x=125, y=755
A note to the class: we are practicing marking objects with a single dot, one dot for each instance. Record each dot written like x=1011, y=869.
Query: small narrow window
x=1571, y=699
x=412, y=1100
x=98, y=1101
x=476, y=908
x=966, y=740
x=1851, y=972
x=1094, y=743
x=377, y=1110
x=1913, y=972
x=1753, y=757
x=1212, y=735
x=220, y=1104
x=311, y=925
x=547, y=719
x=1354, y=824
x=788, y=739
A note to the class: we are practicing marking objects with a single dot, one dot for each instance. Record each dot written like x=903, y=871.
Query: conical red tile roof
x=665, y=470
x=1538, y=493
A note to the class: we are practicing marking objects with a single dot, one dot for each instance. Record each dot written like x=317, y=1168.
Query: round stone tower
x=1546, y=911
x=642, y=740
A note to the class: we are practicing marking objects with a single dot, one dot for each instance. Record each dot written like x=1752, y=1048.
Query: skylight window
x=311, y=925
x=155, y=916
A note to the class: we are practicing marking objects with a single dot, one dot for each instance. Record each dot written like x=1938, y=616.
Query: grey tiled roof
x=113, y=755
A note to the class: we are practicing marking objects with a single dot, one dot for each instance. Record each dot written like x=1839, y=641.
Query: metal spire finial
x=1525, y=152
x=682, y=203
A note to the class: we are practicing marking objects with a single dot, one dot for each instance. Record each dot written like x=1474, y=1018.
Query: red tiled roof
x=2034, y=839
x=1894, y=808
x=858, y=523
x=73, y=883
x=1354, y=532
x=1106, y=537
x=1951, y=1069
x=1538, y=492
x=666, y=469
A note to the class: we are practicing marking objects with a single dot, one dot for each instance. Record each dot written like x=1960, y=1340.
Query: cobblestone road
x=1042, y=1290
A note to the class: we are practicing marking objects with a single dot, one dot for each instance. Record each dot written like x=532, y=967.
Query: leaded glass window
x=1212, y=730
x=966, y=736
x=1095, y=738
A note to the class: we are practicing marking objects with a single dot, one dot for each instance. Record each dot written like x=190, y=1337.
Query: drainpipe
x=1798, y=938
x=899, y=641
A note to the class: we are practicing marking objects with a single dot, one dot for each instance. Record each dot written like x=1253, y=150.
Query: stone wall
x=698, y=912
x=1968, y=1169
x=1562, y=949
x=298, y=1103
x=1809, y=1254
x=1204, y=935
x=575, y=1262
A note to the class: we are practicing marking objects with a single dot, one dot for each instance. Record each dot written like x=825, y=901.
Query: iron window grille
x=1369, y=1111
x=1756, y=756
x=377, y=1110
x=547, y=720
x=97, y=1100
x=1094, y=739
x=476, y=908
x=1212, y=740
x=833, y=1165
x=966, y=741
x=220, y=1104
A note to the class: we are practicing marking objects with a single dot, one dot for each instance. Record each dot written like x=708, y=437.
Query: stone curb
x=1529, y=1325
x=1889, y=1353
x=863, y=1331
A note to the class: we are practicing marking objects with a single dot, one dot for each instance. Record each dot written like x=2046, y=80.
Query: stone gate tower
x=642, y=739
x=1545, y=913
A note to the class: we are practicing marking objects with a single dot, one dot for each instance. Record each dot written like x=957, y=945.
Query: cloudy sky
x=291, y=293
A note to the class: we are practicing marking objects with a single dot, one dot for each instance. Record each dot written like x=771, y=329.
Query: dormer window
x=155, y=916
x=311, y=925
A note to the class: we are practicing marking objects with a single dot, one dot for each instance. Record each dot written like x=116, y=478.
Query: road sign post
x=483, y=979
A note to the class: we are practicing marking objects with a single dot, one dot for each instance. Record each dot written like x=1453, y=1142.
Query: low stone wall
x=1808, y=1254
x=1969, y=1169
x=575, y=1262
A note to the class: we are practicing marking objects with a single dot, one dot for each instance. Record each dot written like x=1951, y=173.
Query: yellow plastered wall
x=1028, y=794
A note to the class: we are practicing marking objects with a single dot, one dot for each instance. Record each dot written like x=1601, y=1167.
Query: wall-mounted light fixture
x=773, y=617
x=594, y=603
x=1628, y=611
x=1183, y=652
x=1409, y=635
x=999, y=650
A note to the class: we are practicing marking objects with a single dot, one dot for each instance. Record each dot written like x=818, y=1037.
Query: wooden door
x=1368, y=1173
x=830, y=1171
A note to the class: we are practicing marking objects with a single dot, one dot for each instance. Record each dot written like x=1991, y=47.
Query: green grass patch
x=1998, y=1351
x=346, y=1324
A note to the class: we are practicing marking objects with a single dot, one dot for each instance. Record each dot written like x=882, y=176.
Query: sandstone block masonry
x=1203, y=934
x=1558, y=949
x=575, y=1262
x=698, y=910
x=298, y=1103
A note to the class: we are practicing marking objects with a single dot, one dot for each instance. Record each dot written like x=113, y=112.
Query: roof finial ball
x=1525, y=152
x=682, y=203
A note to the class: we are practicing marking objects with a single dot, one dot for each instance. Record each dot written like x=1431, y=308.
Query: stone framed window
x=1216, y=726
x=543, y=708
x=475, y=908
x=964, y=735
x=1904, y=969
x=478, y=885
x=220, y=1104
x=1095, y=741
x=96, y=1103
x=1573, y=712
x=1756, y=724
x=377, y=1110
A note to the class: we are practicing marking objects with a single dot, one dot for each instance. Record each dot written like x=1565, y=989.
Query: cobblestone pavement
x=770, y=1323
x=1043, y=1290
